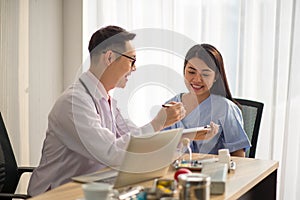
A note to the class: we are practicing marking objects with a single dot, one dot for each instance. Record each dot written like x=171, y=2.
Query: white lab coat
x=79, y=140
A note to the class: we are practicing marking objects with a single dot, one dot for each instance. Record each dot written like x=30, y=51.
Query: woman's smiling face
x=199, y=78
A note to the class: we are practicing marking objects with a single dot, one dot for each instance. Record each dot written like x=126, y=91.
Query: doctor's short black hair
x=113, y=37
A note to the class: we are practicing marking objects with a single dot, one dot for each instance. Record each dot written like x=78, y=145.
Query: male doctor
x=86, y=131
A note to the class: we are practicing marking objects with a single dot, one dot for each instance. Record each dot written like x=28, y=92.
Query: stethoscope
x=89, y=93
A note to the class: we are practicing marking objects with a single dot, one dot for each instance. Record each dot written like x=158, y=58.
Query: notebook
x=147, y=157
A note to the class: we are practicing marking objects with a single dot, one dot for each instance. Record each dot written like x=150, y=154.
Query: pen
x=167, y=105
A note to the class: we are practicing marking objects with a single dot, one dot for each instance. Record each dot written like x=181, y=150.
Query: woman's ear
x=217, y=76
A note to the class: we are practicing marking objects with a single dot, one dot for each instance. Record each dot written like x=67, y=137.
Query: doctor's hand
x=168, y=115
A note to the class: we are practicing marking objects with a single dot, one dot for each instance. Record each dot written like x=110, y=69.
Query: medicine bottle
x=194, y=186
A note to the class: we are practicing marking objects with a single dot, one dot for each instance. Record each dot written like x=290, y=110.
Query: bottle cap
x=223, y=152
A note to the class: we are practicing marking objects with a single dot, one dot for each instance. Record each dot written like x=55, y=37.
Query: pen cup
x=96, y=191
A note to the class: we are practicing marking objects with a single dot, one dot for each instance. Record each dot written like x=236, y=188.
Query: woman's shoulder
x=223, y=102
x=219, y=99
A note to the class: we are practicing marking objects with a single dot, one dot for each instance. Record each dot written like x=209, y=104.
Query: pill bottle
x=194, y=186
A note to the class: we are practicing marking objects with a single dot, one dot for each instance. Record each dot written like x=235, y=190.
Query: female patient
x=209, y=101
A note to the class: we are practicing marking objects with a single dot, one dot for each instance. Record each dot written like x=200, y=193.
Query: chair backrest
x=252, y=114
x=9, y=176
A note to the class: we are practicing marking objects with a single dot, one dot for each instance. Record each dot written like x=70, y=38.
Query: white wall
x=40, y=53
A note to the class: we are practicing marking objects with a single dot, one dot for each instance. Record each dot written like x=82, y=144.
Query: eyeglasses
x=133, y=59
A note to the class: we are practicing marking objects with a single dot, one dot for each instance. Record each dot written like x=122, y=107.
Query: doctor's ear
x=108, y=57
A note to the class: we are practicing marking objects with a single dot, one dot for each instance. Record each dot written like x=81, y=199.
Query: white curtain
x=259, y=42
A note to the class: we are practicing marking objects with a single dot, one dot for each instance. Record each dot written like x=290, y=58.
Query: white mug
x=96, y=191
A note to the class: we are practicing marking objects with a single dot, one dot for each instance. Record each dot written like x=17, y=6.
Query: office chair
x=252, y=114
x=10, y=173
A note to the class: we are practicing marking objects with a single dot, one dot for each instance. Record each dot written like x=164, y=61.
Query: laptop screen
x=148, y=157
x=151, y=152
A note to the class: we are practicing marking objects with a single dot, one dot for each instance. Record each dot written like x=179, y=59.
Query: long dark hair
x=214, y=60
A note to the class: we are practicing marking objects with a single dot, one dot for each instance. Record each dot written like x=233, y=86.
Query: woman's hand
x=204, y=134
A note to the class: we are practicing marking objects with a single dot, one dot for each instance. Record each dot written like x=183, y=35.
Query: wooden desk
x=253, y=179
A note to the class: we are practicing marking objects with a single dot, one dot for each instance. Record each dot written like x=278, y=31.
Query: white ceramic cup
x=96, y=191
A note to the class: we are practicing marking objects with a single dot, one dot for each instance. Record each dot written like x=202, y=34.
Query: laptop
x=147, y=157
